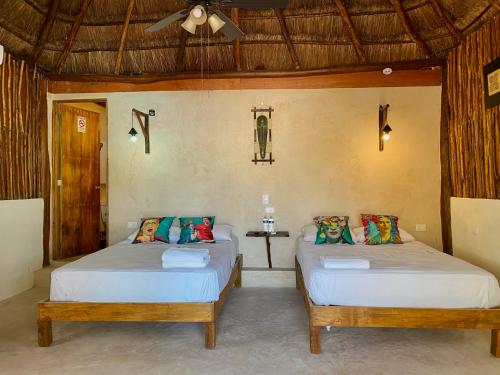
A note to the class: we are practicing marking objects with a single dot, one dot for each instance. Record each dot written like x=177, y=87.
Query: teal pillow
x=333, y=230
x=196, y=229
x=163, y=230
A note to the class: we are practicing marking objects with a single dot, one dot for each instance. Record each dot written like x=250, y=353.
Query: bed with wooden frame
x=390, y=317
x=207, y=313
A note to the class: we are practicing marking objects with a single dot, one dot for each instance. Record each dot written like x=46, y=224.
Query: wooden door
x=79, y=174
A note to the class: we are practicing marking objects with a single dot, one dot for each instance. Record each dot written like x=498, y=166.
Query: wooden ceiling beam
x=286, y=36
x=149, y=78
x=123, y=38
x=402, y=78
x=46, y=29
x=409, y=29
x=495, y=4
x=181, y=51
x=346, y=19
x=445, y=17
x=235, y=17
x=72, y=36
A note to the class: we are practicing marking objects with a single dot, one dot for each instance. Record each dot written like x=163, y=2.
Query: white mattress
x=133, y=273
x=408, y=275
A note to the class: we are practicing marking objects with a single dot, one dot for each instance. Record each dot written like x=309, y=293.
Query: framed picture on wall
x=492, y=83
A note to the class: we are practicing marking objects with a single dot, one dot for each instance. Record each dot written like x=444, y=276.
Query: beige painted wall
x=326, y=150
x=21, y=252
x=474, y=224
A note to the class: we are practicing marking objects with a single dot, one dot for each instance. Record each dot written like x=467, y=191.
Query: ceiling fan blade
x=229, y=29
x=259, y=4
x=168, y=20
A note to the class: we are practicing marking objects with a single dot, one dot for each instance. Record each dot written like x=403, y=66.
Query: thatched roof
x=319, y=35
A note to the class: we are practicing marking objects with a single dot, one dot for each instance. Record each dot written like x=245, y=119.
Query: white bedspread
x=133, y=273
x=408, y=275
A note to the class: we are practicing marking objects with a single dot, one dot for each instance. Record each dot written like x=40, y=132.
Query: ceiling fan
x=211, y=10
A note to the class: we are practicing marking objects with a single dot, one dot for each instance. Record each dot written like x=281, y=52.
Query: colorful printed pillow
x=381, y=229
x=333, y=229
x=153, y=228
x=196, y=229
x=163, y=231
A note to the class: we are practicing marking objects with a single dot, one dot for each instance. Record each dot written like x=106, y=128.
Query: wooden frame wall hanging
x=492, y=83
x=263, y=135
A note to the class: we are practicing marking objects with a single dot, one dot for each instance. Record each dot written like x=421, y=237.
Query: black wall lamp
x=144, y=127
x=384, y=130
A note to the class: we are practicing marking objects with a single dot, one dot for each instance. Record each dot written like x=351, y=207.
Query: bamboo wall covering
x=24, y=161
x=474, y=130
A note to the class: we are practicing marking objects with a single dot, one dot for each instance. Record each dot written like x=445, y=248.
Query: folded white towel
x=185, y=258
x=341, y=262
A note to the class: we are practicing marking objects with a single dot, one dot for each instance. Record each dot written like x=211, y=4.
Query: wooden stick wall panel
x=474, y=130
x=24, y=160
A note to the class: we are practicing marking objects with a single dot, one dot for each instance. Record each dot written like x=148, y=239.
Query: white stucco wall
x=474, y=224
x=21, y=249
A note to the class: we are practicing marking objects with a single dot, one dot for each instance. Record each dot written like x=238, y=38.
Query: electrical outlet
x=132, y=225
x=421, y=227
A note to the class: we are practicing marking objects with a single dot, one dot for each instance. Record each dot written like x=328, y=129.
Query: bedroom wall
x=474, y=224
x=326, y=150
x=21, y=252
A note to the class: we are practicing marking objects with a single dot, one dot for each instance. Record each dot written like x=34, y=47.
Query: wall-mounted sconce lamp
x=144, y=127
x=384, y=130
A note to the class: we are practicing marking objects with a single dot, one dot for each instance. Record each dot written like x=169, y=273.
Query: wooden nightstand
x=267, y=235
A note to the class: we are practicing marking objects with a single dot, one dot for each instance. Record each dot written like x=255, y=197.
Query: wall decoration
x=492, y=83
x=262, y=135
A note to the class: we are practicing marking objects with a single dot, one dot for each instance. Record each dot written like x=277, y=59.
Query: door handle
x=98, y=187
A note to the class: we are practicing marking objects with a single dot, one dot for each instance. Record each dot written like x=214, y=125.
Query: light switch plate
x=132, y=225
x=421, y=227
x=265, y=199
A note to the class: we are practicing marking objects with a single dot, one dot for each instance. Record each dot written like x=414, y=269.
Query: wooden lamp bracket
x=382, y=121
x=144, y=127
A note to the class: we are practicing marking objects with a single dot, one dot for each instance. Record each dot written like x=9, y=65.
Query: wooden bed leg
x=495, y=342
x=210, y=335
x=297, y=276
x=237, y=282
x=44, y=333
x=314, y=339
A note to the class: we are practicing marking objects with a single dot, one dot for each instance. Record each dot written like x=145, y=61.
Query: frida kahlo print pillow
x=332, y=230
x=381, y=229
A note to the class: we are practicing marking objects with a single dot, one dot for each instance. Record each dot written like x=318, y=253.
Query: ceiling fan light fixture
x=189, y=25
x=215, y=23
x=198, y=15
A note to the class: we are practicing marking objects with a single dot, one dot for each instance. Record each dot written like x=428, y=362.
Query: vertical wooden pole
x=445, y=166
x=123, y=38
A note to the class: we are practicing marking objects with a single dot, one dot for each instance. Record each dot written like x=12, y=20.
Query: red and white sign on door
x=82, y=124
